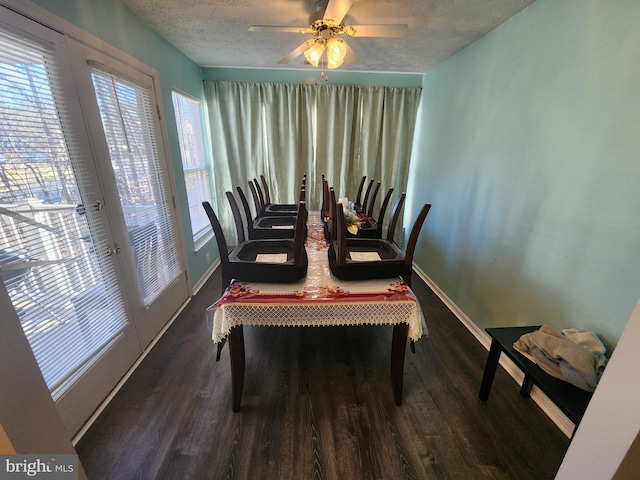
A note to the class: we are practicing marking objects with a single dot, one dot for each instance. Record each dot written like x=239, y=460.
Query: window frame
x=204, y=234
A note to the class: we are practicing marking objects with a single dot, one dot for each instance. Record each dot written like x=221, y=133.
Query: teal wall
x=116, y=25
x=528, y=148
x=311, y=74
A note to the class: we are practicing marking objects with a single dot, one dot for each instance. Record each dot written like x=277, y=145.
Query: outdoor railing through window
x=50, y=269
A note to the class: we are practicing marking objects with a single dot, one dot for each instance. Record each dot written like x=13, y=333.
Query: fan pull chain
x=326, y=56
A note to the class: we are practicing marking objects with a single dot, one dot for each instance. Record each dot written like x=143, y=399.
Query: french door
x=89, y=250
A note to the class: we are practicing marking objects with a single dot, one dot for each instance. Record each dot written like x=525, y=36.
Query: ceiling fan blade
x=351, y=57
x=274, y=28
x=389, y=31
x=337, y=9
x=295, y=53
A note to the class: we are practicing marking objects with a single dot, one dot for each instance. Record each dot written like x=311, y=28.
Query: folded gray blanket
x=573, y=355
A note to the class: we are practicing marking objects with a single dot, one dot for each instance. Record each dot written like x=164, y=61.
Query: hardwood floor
x=318, y=404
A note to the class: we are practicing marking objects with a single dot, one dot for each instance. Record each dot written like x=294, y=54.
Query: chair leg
x=223, y=287
x=220, y=347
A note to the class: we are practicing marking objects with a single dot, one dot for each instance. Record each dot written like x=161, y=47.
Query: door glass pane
x=60, y=282
x=128, y=118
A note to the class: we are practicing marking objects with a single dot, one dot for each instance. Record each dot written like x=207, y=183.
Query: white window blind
x=127, y=114
x=190, y=123
x=61, y=287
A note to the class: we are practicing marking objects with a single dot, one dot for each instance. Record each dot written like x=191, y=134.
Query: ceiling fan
x=326, y=29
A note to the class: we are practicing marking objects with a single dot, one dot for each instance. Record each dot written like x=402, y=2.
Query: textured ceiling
x=215, y=32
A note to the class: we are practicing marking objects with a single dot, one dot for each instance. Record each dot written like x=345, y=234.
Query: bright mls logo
x=51, y=467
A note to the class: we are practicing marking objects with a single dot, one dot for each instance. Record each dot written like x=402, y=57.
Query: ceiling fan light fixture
x=314, y=53
x=325, y=25
x=336, y=51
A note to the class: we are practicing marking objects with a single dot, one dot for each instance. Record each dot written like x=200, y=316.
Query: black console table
x=571, y=400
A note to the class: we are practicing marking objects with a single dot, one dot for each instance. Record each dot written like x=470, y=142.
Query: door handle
x=97, y=205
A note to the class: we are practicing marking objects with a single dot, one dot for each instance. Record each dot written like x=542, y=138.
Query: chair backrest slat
x=368, y=209
x=395, y=215
x=256, y=199
x=415, y=232
x=382, y=213
x=359, y=194
x=236, y=217
x=260, y=195
x=332, y=213
x=299, y=234
x=265, y=186
x=365, y=202
x=325, y=198
x=323, y=204
x=217, y=231
x=341, y=236
x=247, y=212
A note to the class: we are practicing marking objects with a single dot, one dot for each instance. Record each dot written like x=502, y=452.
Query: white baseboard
x=547, y=406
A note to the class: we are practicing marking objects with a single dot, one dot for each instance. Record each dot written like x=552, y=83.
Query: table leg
x=236, y=354
x=490, y=370
x=398, y=348
x=527, y=385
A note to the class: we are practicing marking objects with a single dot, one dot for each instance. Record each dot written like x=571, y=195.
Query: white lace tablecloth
x=320, y=299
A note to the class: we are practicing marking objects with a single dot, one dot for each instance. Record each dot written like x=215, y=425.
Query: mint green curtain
x=288, y=128
x=283, y=131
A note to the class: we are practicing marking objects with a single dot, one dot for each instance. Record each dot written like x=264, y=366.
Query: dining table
x=318, y=300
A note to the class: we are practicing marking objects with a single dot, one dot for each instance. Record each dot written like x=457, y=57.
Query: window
x=190, y=123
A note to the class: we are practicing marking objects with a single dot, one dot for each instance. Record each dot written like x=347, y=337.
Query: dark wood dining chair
x=373, y=227
x=277, y=226
x=271, y=208
x=247, y=262
x=393, y=260
x=241, y=262
x=390, y=260
x=244, y=263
